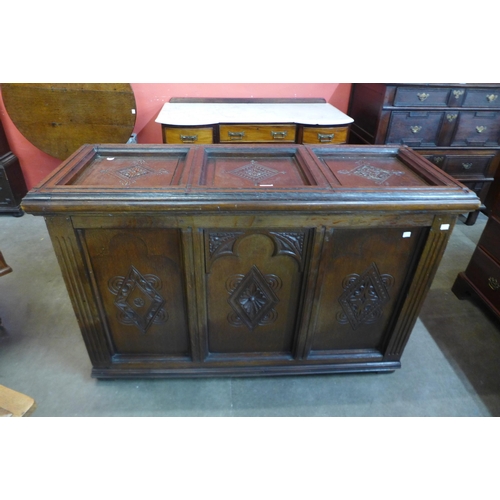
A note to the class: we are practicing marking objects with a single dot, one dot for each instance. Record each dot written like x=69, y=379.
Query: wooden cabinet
x=12, y=183
x=455, y=126
x=204, y=260
x=213, y=121
x=481, y=279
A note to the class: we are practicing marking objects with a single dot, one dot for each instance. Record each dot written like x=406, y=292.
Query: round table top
x=58, y=118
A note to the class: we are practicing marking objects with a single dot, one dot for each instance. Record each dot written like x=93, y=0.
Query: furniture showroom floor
x=449, y=368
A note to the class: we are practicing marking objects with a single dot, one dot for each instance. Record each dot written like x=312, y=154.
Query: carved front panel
x=363, y=278
x=254, y=283
x=138, y=275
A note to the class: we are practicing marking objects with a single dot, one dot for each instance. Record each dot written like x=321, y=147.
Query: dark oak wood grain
x=247, y=260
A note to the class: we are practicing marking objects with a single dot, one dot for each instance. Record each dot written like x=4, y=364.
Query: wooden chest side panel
x=138, y=276
x=364, y=274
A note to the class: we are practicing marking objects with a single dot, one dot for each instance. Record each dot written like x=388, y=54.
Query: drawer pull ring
x=493, y=283
x=467, y=166
x=416, y=129
x=279, y=135
x=422, y=96
x=325, y=137
x=480, y=129
x=236, y=135
x=492, y=97
x=189, y=138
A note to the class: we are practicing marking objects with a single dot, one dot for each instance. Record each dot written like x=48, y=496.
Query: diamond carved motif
x=254, y=171
x=364, y=297
x=252, y=298
x=133, y=172
x=129, y=175
x=375, y=174
x=138, y=300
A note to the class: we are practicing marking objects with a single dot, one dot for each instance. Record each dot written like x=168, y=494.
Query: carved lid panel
x=258, y=168
x=134, y=171
x=369, y=170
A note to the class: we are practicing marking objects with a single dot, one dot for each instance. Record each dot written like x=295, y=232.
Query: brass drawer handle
x=493, y=283
x=189, y=138
x=467, y=166
x=480, y=129
x=416, y=129
x=279, y=134
x=236, y=135
x=492, y=97
x=458, y=93
x=325, y=137
x=423, y=96
x=450, y=117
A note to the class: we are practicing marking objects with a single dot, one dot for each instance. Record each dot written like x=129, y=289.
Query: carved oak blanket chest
x=211, y=260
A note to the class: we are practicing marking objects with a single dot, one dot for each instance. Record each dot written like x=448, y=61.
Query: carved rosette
x=364, y=297
x=252, y=298
x=137, y=299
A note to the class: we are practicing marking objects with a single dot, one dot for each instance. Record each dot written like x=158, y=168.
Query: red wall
x=150, y=98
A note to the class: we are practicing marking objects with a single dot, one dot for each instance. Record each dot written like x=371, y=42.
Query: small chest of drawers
x=259, y=121
x=455, y=126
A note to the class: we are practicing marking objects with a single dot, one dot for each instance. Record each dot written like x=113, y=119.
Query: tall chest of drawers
x=455, y=126
x=482, y=276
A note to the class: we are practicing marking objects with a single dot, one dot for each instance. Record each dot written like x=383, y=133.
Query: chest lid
x=252, y=177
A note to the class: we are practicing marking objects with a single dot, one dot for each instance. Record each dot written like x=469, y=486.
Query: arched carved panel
x=254, y=280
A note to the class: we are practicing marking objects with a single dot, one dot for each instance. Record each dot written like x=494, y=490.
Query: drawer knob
x=279, y=134
x=493, y=283
x=480, y=129
x=236, y=135
x=492, y=97
x=416, y=129
x=325, y=137
x=423, y=96
x=467, y=166
x=189, y=138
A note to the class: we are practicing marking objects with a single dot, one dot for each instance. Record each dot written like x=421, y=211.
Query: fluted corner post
x=75, y=272
x=429, y=261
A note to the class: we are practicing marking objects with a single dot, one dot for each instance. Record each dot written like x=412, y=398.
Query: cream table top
x=194, y=114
